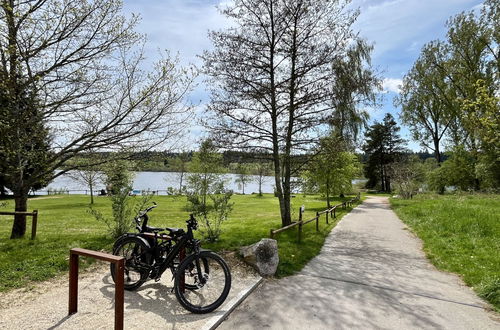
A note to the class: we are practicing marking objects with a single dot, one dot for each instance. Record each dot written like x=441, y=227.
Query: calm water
x=157, y=181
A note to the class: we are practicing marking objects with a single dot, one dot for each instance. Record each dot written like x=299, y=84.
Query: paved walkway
x=370, y=274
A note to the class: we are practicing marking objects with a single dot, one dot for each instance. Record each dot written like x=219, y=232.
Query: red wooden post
x=119, y=264
x=119, y=294
x=73, y=283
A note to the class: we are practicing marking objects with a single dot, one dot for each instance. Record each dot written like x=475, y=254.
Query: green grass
x=64, y=223
x=461, y=234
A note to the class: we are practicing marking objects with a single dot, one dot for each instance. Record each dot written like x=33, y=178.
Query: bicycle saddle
x=149, y=229
x=175, y=231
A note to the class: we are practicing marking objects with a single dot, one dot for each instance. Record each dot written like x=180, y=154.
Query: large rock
x=263, y=256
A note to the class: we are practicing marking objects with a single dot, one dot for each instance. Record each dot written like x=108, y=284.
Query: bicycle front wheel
x=210, y=274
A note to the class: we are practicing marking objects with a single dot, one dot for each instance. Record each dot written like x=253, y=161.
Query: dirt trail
x=153, y=306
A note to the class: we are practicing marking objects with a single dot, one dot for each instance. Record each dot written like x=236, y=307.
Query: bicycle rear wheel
x=137, y=260
x=212, y=284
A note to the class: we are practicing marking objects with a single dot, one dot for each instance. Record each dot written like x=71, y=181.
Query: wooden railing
x=34, y=219
x=300, y=224
x=119, y=263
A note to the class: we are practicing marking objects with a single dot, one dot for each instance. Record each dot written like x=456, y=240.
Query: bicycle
x=202, y=278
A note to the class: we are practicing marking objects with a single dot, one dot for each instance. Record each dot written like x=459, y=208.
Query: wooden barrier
x=301, y=223
x=119, y=281
x=34, y=219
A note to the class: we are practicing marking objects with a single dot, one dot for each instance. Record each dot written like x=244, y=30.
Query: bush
x=119, y=183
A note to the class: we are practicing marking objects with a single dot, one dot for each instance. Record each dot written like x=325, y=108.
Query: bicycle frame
x=186, y=240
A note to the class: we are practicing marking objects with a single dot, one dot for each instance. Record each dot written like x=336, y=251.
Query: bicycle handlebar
x=142, y=213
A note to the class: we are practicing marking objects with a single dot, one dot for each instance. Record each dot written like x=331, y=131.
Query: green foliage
x=457, y=171
x=383, y=146
x=119, y=184
x=451, y=93
x=206, y=195
x=332, y=170
x=212, y=220
x=407, y=176
x=461, y=234
x=481, y=117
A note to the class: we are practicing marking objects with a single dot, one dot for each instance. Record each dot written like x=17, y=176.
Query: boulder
x=263, y=256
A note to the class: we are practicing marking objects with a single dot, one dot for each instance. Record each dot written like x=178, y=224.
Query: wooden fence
x=300, y=224
x=34, y=219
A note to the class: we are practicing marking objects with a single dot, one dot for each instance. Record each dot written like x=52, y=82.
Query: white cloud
x=177, y=25
x=398, y=25
x=392, y=85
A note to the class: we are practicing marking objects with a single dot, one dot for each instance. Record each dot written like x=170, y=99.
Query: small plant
x=212, y=219
x=119, y=181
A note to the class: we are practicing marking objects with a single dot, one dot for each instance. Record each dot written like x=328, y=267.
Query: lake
x=156, y=181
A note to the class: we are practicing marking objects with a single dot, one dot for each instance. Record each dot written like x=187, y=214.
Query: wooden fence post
x=326, y=217
x=300, y=225
x=34, y=224
x=271, y=233
x=317, y=221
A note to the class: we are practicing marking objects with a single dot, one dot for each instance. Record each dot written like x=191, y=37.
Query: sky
x=397, y=28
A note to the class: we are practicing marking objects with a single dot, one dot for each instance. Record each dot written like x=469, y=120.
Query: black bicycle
x=202, y=279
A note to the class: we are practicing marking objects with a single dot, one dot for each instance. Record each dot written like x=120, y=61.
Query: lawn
x=461, y=234
x=64, y=223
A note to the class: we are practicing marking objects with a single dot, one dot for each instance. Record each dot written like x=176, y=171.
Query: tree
x=428, y=105
x=383, y=146
x=332, y=169
x=87, y=173
x=72, y=81
x=119, y=181
x=454, y=83
x=179, y=164
x=206, y=184
x=261, y=169
x=243, y=176
x=407, y=174
x=206, y=176
x=272, y=75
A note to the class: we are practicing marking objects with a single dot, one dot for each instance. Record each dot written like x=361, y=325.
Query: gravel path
x=152, y=306
x=370, y=274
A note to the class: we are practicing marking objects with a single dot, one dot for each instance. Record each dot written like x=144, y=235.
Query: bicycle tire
x=134, y=250
x=206, y=298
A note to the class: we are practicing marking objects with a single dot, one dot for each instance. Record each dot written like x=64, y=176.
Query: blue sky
x=397, y=28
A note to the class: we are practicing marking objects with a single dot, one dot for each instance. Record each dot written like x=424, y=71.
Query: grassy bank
x=64, y=223
x=461, y=234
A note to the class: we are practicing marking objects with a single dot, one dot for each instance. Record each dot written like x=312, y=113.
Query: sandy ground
x=152, y=306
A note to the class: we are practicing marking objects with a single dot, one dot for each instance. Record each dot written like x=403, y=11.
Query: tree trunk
x=180, y=182
x=260, y=185
x=91, y=193
x=437, y=154
x=19, y=227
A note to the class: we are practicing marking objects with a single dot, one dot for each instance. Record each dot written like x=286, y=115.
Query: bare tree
x=262, y=169
x=243, y=176
x=89, y=174
x=179, y=165
x=73, y=70
x=272, y=76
